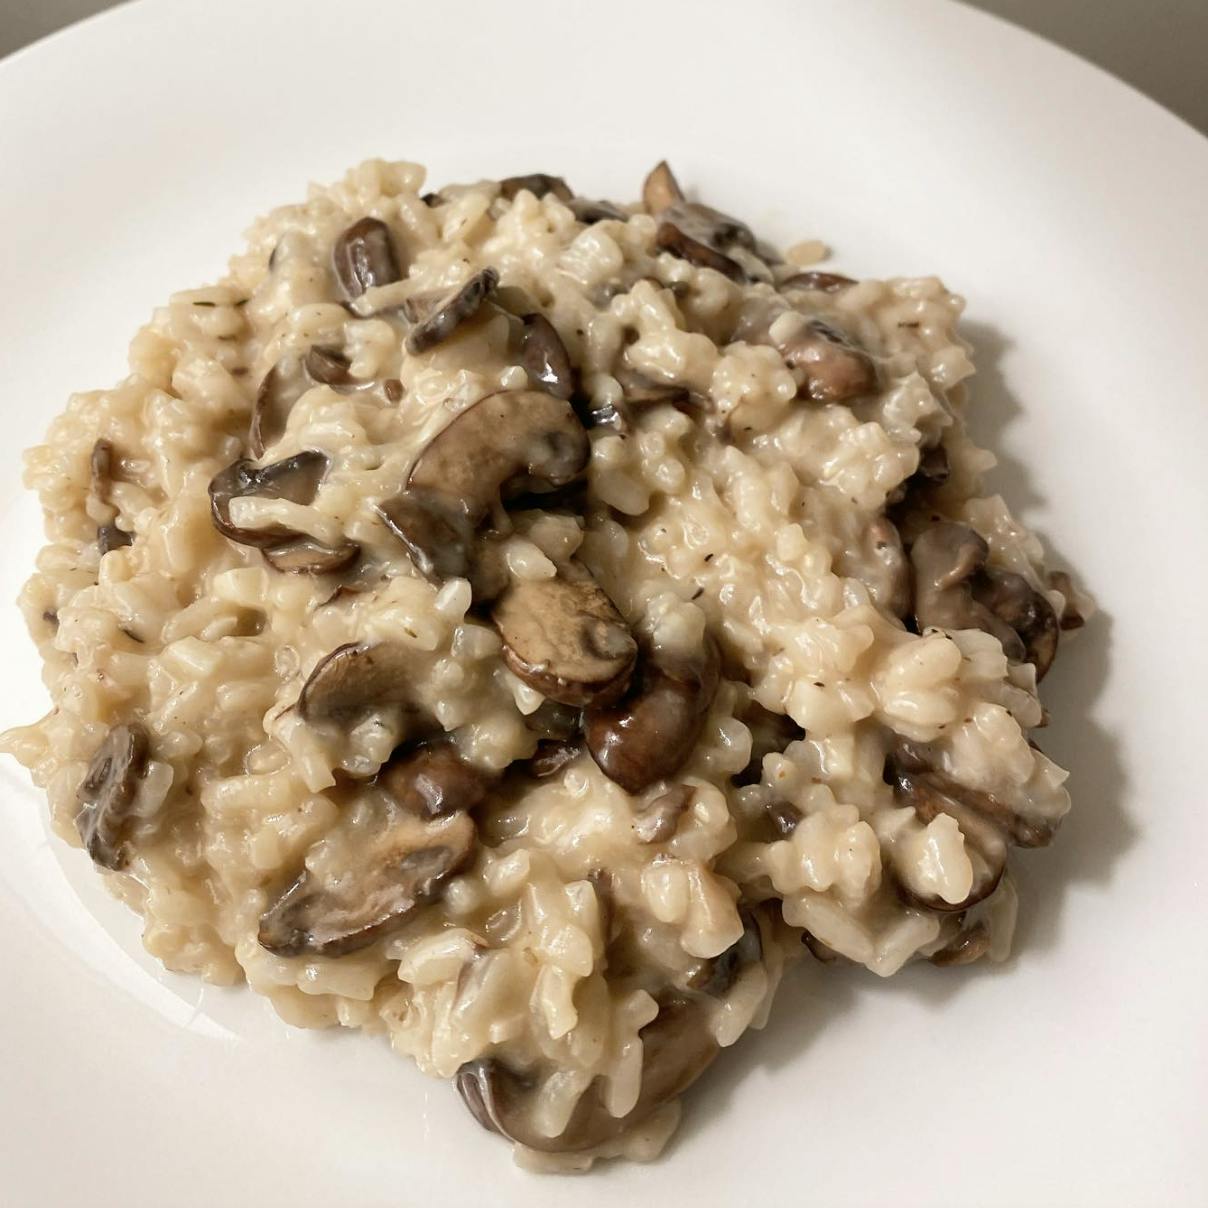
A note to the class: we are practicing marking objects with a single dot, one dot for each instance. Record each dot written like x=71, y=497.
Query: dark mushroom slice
x=785, y=817
x=551, y=756
x=770, y=732
x=552, y=720
x=589, y=211
x=880, y=563
x=385, y=872
x=510, y=442
x=716, y=977
x=545, y=358
x=100, y=465
x=658, y=821
x=1071, y=617
x=677, y=1047
x=832, y=368
x=971, y=944
x=110, y=537
x=330, y=367
x=306, y=556
x=284, y=384
x=536, y=183
x=651, y=731
x=392, y=388
x=955, y=589
x=660, y=189
x=564, y=637
x=364, y=257
x=671, y=237
x=827, y=283
x=353, y=679
x=432, y=780
x=641, y=391
x=934, y=469
x=451, y=311
x=107, y=794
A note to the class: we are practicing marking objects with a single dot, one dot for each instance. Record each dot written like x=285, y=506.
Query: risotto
x=520, y=624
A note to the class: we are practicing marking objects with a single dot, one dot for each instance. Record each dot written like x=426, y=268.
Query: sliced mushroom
x=564, y=637
x=110, y=537
x=451, y=311
x=589, y=211
x=971, y=944
x=880, y=562
x=660, y=190
x=658, y=821
x=551, y=756
x=392, y=388
x=671, y=237
x=107, y=794
x=651, y=731
x=363, y=257
x=353, y=679
x=717, y=976
x=642, y=391
x=330, y=367
x=545, y=358
x=1071, y=616
x=284, y=384
x=955, y=589
x=828, y=283
x=514, y=441
x=536, y=183
x=677, y=1047
x=306, y=556
x=100, y=464
x=770, y=732
x=784, y=816
x=830, y=368
x=432, y=780
x=381, y=872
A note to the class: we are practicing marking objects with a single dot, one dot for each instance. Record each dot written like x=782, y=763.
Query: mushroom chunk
x=363, y=257
x=969, y=945
x=564, y=637
x=107, y=795
x=658, y=821
x=511, y=442
x=827, y=283
x=879, y=561
x=536, y=183
x=651, y=731
x=284, y=384
x=828, y=366
x=551, y=756
x=770, y=733
x=432, y=780
x=110, y=537
x=296, y=479
x=545, y=358
x=677, y=1047
x=589, y=211
x=378, y=867
x=329, y=367
x=450, y=311
x=955, y=589
x=353, y=679
x=716, y=977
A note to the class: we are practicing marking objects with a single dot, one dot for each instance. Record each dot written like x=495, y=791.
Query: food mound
x=520, y=624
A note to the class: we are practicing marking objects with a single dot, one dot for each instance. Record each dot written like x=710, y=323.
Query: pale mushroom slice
x=565, y=638
x=814, y=279
x=954, y=588
x=281, y=388
x=677, y=1047
x=364, y=257
x=110, y=535
x=107, y=795
x=379, y=867
x=507, y=443
x=717, y=976
x=448, y=312
x=650, y=732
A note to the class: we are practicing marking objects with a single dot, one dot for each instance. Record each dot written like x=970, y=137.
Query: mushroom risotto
x=520, y=624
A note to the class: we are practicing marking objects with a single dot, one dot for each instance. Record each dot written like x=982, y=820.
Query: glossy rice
x=726, y=506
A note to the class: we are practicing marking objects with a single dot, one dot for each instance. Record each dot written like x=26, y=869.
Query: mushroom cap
x=354, y=678
x=450, y=311
x=107, y=793
x=364, y=257
x=565, y=638
x=386, y=871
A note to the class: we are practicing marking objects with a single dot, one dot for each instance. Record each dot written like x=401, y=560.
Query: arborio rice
x=521, y=625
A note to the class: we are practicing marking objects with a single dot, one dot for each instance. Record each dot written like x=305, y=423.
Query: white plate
x=917, y=137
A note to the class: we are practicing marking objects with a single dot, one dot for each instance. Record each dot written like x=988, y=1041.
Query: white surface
x=1070, y=211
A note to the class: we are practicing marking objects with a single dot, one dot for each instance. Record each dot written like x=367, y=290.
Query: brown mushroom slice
x=658, y=821
x=551, y=756
x=589, y=211
x=717, y=976
x=107, y=794
x=671, y=237
x=295, y=478
x=827, y=283
x=382, y=872
x=880, y=563
x=564, y=637
x=353, y=679
x=642, y=391
x=451, y=311
x=651, y=731
x=110, y=537
x=955, y=589
x=305, y=556
x=770, y=732
x=538, y=184
x=545, y=358
x=100, y=465
x=970, y=944
x=784, y=816
x=677, y=1047
x=660, y=190
x=432, y=780
x=363, y=257
x=1071, y=615
x=330, y=367
x=284, y=384
x=834, y=369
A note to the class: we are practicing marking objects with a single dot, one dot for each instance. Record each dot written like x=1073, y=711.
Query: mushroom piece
x=589, y=211
x=716, y=977
x=450, y=311
x=955, y=589
x=377, y=871
x=564, y=637
x=1071, y=615
x=353, y=679
x=536, y=183
x=110, y=537
x=640, y=390
x=880, y=562
x=677, y=1047
x=784, y=816
x=651, y=731
x=363, y=257
x=828, y=366
x=970, y=944
x=296, y=479
x=770, y=733
x=658, y=821
x=827, y=283
x=107, y=794
x=330, y=367
x=551, y=756
x=552, y=720
x=510, y=442
x=432, y=780
x=545, y=358
x=281, y=388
